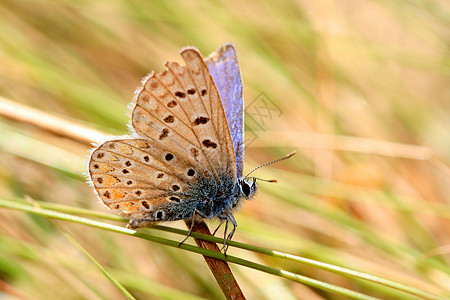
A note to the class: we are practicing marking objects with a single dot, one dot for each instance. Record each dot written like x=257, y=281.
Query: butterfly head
x=247, y=187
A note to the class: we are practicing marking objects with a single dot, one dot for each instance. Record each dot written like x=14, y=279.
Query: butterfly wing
x=224, y=68
x=137, y=176
x=181, y=107
x=185, y=142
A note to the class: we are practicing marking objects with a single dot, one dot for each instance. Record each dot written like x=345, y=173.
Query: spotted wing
x=180, y=108
x=185, y=140
x=224, y=68
x=144, y=180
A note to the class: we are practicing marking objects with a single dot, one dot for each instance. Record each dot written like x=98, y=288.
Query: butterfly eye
x=245, y=189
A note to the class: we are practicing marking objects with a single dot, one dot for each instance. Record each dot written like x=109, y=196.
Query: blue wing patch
x=224, y=68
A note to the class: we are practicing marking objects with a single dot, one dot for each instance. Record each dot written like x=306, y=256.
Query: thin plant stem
x=220, y=269
x=124, y=291
x=199, y=234
x=118, y=229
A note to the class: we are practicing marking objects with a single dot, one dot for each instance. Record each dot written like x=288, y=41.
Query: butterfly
x=185, y=160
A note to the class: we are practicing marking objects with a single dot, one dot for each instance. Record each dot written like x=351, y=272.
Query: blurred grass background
x=353, y=84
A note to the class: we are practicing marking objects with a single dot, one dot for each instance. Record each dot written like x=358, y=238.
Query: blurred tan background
x=360, y=89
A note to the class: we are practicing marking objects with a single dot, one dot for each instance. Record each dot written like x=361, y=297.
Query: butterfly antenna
x=265, y=180
x=272, y=162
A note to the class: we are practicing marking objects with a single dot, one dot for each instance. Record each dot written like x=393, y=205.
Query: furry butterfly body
x=187, y=158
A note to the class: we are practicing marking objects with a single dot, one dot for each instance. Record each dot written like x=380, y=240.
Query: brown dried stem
x=220, y=268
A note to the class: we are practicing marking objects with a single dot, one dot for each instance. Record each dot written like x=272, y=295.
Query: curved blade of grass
x=324, y=266
x=281, y=273
x=270, y=252
x=28, y=251
x=124, y=291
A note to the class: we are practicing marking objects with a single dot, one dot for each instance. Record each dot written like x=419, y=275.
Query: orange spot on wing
x=130, y=209
x=104, y=168
x=124, y=149
x=140, y=144
x=110, y=180
x=110, y=157
x=117, y=195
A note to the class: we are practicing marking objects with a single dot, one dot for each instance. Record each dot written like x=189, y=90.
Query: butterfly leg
x=220, y=224
x=230, y=235
x=223, y=219
x=225, y=236
x=192, y=220
x=190, y=231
